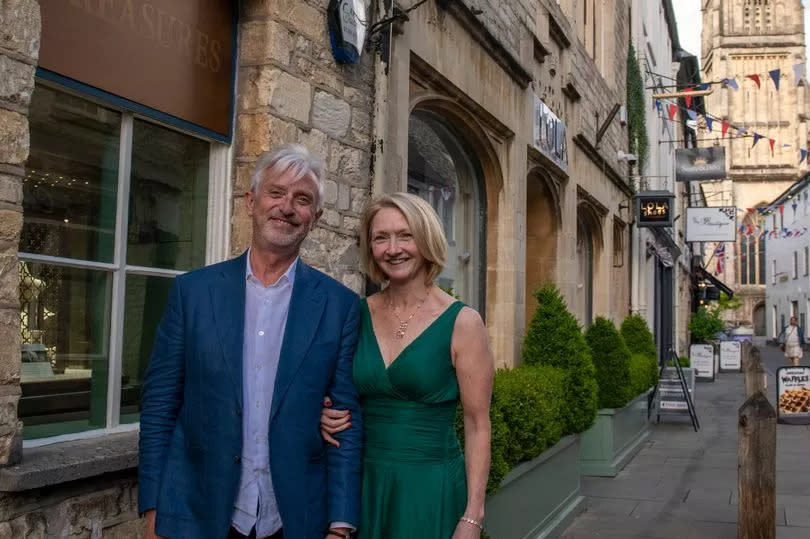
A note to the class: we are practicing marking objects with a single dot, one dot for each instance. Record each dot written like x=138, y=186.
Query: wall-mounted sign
x=347, y=29
x=730, y=356
x=695, y=164
x=701, y=358
x=711, y=224
x=654, y=208
x=793, y=392
x=173, y=56
x=549, y=134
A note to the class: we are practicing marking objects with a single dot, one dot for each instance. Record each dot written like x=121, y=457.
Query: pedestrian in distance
x=419, y=351
x=246, y=349
x=791, y=341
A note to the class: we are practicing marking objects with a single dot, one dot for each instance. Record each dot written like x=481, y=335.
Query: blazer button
x=237, y=459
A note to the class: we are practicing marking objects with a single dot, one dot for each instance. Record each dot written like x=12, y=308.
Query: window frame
x=217, y=248
x=795, y=269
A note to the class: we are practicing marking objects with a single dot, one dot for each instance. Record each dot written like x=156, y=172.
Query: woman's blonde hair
x=424, y=224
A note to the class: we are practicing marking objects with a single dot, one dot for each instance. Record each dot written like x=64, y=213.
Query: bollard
x=756, y=469
x=746, y=353
x=754, y=373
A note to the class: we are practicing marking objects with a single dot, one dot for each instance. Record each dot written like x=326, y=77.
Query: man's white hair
x=293, y=158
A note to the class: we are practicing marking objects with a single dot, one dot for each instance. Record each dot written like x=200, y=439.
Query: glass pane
x=145, y=301
x=168, y=200
x=762, y=259
x=71, y=177
x=744, y=260
x=64, y=319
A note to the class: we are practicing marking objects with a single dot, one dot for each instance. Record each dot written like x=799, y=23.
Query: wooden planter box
x=539, y=498
x=615, y=438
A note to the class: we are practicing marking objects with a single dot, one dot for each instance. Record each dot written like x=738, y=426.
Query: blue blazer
x=191, y=407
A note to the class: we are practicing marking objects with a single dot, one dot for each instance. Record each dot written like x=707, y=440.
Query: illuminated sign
x=654, y=208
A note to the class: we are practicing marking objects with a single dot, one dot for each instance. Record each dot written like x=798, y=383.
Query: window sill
x=69, y=461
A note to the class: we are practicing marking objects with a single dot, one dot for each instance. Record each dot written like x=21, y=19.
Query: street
x=684, y=484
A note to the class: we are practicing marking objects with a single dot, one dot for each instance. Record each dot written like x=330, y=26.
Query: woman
x=792, y=341
x=418, y=350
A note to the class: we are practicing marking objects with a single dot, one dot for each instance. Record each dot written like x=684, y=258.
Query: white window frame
x=217, y=248
x=795, y=264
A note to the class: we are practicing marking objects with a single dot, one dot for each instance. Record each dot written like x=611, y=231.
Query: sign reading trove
x=549, y=134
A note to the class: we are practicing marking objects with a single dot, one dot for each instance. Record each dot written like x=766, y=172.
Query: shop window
x=585, y=255
x=445, y=172
x=114, y=207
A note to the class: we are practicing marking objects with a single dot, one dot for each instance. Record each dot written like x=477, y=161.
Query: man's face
x=283, y=211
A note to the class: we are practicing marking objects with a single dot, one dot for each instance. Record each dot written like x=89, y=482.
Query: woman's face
x=393, y=247
x=792, y=320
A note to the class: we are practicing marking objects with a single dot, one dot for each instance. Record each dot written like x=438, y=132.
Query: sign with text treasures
x=793, y=392
x=730, y=356
x=694, y=164
x=711, y=224
x=549, y=134
x=701, y=358
x=173, y=56
x=654, y=208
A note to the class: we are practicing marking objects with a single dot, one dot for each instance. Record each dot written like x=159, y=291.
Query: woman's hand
x=333, y=421
x=465, y=530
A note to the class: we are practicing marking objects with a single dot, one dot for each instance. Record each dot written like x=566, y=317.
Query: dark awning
x=701, y=273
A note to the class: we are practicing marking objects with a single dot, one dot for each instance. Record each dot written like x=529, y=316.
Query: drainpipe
x=385, y=9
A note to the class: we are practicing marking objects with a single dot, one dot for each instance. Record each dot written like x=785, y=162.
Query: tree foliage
x=638, y=143
x=611, y=357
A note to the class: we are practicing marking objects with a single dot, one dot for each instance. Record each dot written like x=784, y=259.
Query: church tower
x=741, y=38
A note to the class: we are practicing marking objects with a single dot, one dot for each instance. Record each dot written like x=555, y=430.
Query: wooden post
x=746, y=354
x=754, y=373
x=756, y=469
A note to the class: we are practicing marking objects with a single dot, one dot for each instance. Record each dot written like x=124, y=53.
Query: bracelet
x=339, y=533
x=475, y=523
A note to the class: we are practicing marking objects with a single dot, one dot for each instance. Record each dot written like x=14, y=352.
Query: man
x=246, y=349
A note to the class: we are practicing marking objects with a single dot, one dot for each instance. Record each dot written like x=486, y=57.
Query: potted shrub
x=543, y=404
x=623, y=379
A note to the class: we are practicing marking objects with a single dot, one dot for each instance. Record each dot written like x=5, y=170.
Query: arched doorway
x=759, y=320
x=542, y=225
x=444, y=171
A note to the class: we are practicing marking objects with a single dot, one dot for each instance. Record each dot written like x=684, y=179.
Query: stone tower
x=740, y=38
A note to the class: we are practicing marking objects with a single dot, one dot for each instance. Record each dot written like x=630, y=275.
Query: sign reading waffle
x=793, y=391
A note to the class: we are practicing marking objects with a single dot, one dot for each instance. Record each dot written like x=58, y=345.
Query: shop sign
x=695, y=164
x=711, y=224
x=730, y=356
x=701, y=358
x=173, y=56
x=550, y=134
x=793, y=392
x=671, y=398
x=654, y=209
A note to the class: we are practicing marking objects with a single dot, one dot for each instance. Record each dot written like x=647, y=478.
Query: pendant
x=403, y=327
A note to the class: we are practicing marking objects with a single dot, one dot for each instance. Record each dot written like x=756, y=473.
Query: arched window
x=751, y=248
x=445, y=172
x=584, y=270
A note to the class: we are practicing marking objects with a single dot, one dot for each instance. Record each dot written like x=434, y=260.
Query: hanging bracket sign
x=549, y=135
x=696, y=164
x=654, y=209
x=717, y=223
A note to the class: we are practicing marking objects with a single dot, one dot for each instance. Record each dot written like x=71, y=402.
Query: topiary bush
x=612, y=361
x=637, y=336
x=642, y=377
x=526, y=417
x=554, y=338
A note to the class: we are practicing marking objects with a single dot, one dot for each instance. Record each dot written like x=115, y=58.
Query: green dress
x=414, y=482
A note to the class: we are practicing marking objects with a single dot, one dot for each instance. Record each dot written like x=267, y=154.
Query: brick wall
x=19, y=49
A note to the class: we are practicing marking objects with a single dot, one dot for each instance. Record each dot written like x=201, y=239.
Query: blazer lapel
x=306, y=307
x=228, y=302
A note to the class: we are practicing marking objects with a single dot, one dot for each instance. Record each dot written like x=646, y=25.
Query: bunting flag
x=771, y=142
x=754, y=78
x=798, y=72
x=775, y=75
x=781, y=209
x=688, y=99
x=803, y=154
x=702, y=87
x=672, y=110
x=656, y=104
x=741, y=132
x=731, y=83
x=757, y=136
x=692, y=114
x=724, y=128
x=709, y=123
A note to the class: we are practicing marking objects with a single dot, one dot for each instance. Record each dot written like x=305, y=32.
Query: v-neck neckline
x=386, y=368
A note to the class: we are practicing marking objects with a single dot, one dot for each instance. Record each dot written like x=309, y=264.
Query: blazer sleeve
x=344, y=463
x=161, y=399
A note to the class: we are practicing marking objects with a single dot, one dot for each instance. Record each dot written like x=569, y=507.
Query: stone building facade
x=498, y=113
x=741, y=38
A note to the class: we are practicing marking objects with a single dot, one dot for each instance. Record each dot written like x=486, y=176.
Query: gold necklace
x=403, y=324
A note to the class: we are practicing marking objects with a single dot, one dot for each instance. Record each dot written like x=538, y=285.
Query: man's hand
x=150, y=525
x=333, y=421
x=341, y=533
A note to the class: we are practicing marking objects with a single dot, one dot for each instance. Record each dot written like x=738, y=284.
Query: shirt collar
x=289, y=274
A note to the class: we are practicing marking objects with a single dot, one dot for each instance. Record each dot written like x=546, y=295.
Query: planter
x=539, y=498
x=615, y=438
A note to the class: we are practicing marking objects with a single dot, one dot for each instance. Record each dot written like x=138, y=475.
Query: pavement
x=683, y=484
